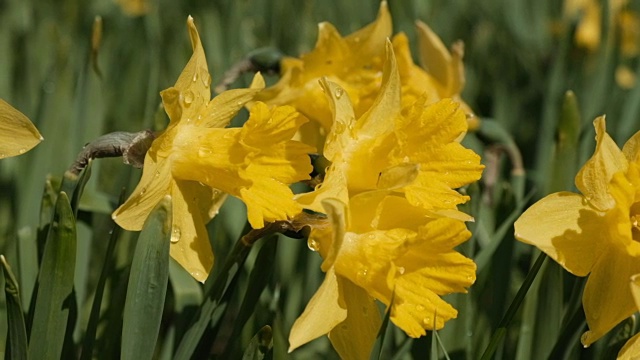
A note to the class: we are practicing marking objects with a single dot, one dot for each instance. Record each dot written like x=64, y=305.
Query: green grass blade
x=147, y=287
x=214, y=295
x=94, y=317
x=513, y=309
x=258, y=281
x=53, y=304
x=260, y=345
x=17, y=332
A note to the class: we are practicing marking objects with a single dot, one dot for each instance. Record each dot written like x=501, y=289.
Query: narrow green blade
x=17, y=335
x=52, y=306
x=147, y=288
x=260, y=345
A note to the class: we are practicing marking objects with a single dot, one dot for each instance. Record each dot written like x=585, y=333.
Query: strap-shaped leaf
x=55, y=281
x=147, y=285
x=17, y=334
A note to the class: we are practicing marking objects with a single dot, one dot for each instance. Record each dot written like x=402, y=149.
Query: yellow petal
x=325, y=310
x=194, y=83
x=630, y=350
x=379, y=119
x=268, y=200
x=607, y=297
x=567, y=229
x=344, y=119
x=338, y=216
x=153, y=186
x=635, y=289
x=190, y=245
x=222, y=108
x=593, y=179
x=17, y=133
x=354, y=337
x=268, y=126
x=631, y=148
x=436, y=59
x=429, y=269
x=371, y=38
x=398, y=176
x=334, y=186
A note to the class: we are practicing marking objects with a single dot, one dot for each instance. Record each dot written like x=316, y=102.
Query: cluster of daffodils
x=391, y=132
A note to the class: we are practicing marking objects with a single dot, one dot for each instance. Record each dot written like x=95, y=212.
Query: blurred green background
x=521, y=58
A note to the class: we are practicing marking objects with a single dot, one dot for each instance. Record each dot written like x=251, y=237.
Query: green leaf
x=55, y=291
x=259, y=345
x=258, y=280
x=17, y=336
x=147, y=288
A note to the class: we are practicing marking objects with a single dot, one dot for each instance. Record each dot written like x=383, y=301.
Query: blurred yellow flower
x=385, y=163
x=134, y=7
x=355, y=63
x=589, y=30
x=631, y=350
x=596, y=233
x=413, y=152
x=196, y=161
x=17, y=133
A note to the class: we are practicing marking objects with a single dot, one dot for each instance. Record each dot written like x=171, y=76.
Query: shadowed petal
x=567, y=229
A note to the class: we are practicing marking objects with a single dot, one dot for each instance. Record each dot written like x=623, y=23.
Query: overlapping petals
x=595, y=233
x=355, y=63
x=415, y=151
x=197, y=161
x=17, y=133
x=386, y=162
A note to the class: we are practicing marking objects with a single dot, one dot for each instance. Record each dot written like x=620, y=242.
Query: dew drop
x=362, y=274
x=196, y=274
x=188, y=98
x=401, y=270
x=419, y=307
x=143, y=191
x=317, y=187
x=195, y=77
x=313, y=244
x=22, y=151
x=175, y=234
x=204, y=152
x=206, y=79
x=427, y=321
x=157, y=174
x=338, y=93
x=585, y=200
x=339, y=127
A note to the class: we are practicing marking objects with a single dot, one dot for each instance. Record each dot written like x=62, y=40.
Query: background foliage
x=520, y=60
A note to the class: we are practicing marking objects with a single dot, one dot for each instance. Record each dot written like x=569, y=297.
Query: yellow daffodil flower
x=631, y=350
x=134, y=7
x=17, y=133
x=196, y=161
x=595, y=233
x=355, y=63
x=406, y=263
x=385, y=163
x=413, y=152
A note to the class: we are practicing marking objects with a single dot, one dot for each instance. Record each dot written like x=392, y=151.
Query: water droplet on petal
x=157, y=173
x=339, y=127
x=313, y=244
x=195, y=77
x=175, y=234
x=338, y=93
x=188, y=98
x=206, y=79
x=362, y=274
x=427, y=321
x=204, y=152
x=196, y=274
x=401, y=270
x=419, y=307
x=22, y=151
x=143, y=191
